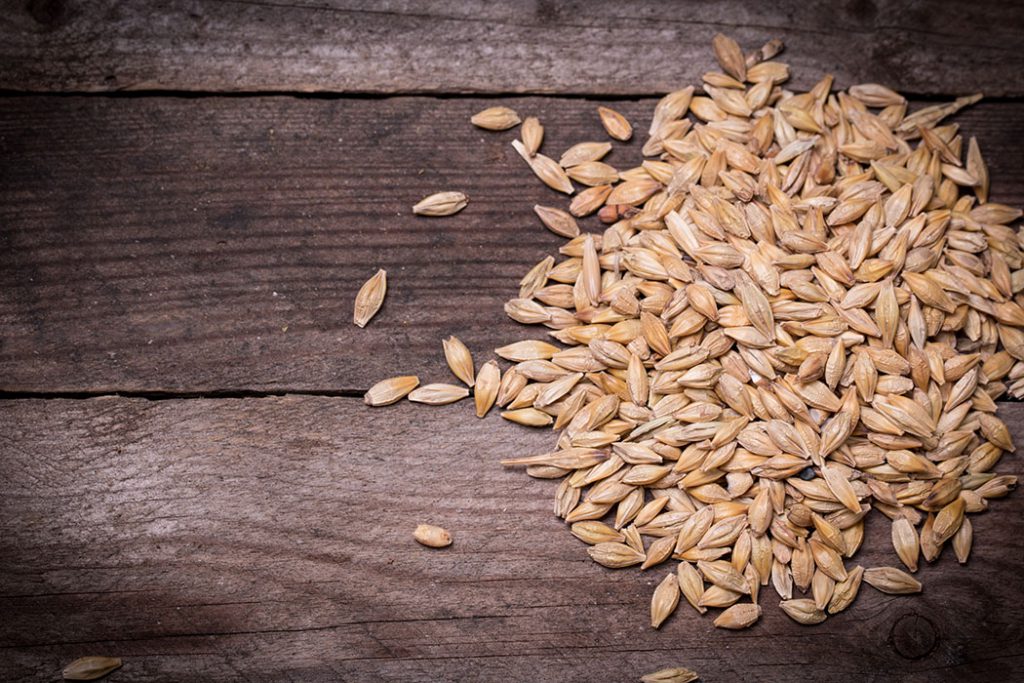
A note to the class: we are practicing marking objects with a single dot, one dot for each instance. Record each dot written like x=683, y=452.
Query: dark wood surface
x=216, y=244
x=192, y=247
x=599, y=47
x=270, y=539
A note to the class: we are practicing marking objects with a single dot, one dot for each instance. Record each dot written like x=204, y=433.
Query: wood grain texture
x=217, y=244
x=270, y=539
x=532, y=46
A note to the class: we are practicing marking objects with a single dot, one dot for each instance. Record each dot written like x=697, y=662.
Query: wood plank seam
x=179, y=395
x=921, y=98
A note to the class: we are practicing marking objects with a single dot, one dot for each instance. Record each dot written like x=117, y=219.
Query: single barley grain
x=485, y=391
x=90, y=668
x=671, y=675
x=496, y=118
x=664, y=600
x=432, y=536
x=615, y=124
x=391, y=390
x=845, y=591
x=740, y=616
x=892, y=580
x=460, y=361
x=803, y=611
x=370, y=298
x=533, y=135
x=441, y=204
x=557, y=221
x=438, y=394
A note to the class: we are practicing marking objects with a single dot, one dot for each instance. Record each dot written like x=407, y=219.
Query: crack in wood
x=177, y=395
x=144, y=93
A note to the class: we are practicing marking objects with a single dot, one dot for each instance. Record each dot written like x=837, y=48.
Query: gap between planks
x=222, y=394
x=923, y=98
x=176, y=395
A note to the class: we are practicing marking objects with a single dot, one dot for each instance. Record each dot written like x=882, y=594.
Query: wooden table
x=190, y=196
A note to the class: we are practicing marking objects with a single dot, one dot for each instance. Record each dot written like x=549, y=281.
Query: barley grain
x=391, y=390
x=549, y=172
x=803, y=611
x=664, y=600
x=432, y=536
x=438, y=394
x=496, y=118
x=615, y=124
x=485, y=391
x=90, y=668
x=441, y=204
x=739, y=616
x=615, y=555
x=671, y=675
x=557, y=221
x=533, y=134
x=370, y=298
x=892, y=580
x=460, y=361
x=905, y=541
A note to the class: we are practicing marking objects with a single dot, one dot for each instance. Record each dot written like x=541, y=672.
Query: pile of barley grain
x=803, y=309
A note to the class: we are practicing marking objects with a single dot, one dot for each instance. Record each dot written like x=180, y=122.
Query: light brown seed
x=822, y=588
x=730, y=56
x=438, y=394
x=846, y=591
x=90, y=668
x=841, y=487
x=583, y=152
x=370, y=298
x=570, y=458
x=803, y=611
x=962, y=541
x=459, y=360
x=892, y=580
x=593, y=174
x=615, y=555
x=594, y=532
x=675, y=674
x=664, y=600
x=739, y=616
x=545, y=168
x=716, y=596
x=615, y=124
x=528, y=349
x=496, y=118
x=391, y=390
x=948, y=521
x=530, y=417
x=432, y=536
x=724, y=575
x=441, y=204
x=488, y=380
x=533, y=134
x=691, y=585
x=671, y=107
x=875, y=95
x=590, y=200
x=904, y=540
x=557, y=221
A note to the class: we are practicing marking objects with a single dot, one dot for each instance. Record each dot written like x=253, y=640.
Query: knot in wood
x=913, y=636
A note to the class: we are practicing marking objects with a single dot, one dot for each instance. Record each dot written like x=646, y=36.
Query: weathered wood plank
x=270, y=539
x=596, y=47
x=168, y=244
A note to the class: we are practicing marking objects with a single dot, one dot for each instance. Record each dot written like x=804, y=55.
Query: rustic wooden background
x=190, y=196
